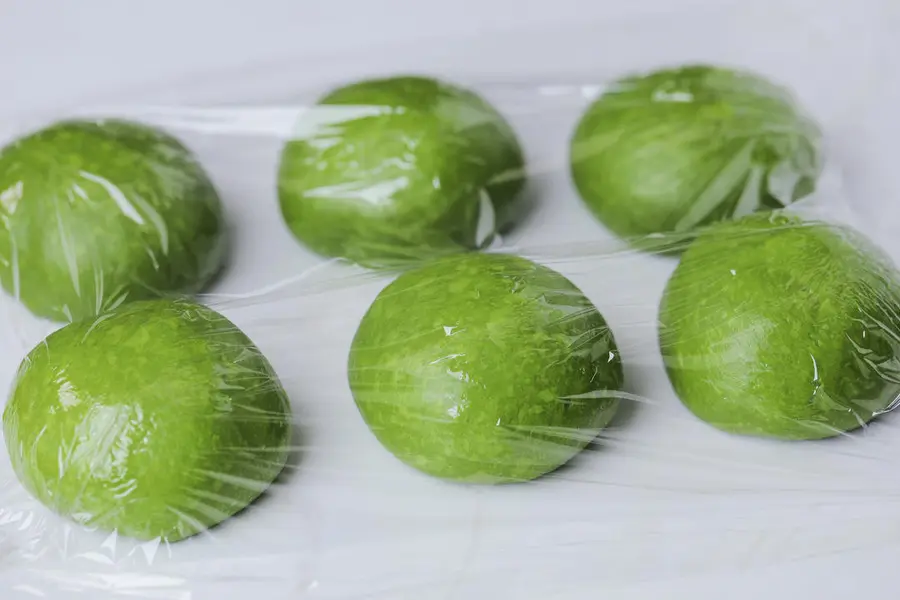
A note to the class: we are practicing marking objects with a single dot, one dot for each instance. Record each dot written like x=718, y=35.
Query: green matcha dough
x=388, y=171
x=776, y=327
x=159, y=419
x=93, y=214
x=678, y=148
x=484, y=368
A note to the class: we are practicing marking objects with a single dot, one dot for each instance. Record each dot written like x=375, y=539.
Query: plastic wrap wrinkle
x=327, y=430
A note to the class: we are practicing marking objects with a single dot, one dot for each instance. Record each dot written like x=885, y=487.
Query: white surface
x=57, y=51
x=667, y=509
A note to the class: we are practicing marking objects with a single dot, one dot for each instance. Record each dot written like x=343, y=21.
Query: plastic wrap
x=618, y=327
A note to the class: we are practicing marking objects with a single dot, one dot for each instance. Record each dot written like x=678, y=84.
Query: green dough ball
x=93, y=214
x=159, y=419
x=675, y=149
x=388, y=171
x=777, y=327
x=484, y=368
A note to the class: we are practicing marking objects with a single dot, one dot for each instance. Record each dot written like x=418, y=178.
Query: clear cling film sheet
x=460, y=323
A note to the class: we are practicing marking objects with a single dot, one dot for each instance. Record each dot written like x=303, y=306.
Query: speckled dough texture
x=678, y=148
x=388, y=171
x=777, y=327
x=93, y=214
x=484, y=368
x=158, y=420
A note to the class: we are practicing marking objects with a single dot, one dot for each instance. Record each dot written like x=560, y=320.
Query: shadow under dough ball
x=389, y=171
x=678, y=148
x=484, y=368
x=98, y=213
x=159, y=419
x=776, y=327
